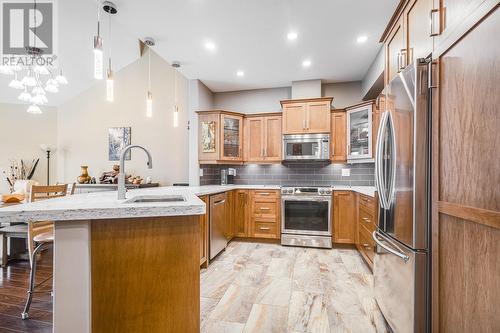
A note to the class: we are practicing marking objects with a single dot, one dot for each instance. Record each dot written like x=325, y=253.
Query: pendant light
x=109, y=8
x=175, y=65
x=98, y=49
x=149, y=96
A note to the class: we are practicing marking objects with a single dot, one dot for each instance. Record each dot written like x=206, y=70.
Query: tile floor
x=260, y=288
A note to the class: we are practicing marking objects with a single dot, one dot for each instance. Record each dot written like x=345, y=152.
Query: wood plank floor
x=13, y=286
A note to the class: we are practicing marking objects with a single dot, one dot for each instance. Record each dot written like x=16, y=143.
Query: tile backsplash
x=293, y=174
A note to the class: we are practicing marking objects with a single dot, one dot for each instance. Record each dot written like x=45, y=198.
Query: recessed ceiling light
x=209, y=45
x=306, y=63
x=240, y=73
x=292, y=35
x=362, y=39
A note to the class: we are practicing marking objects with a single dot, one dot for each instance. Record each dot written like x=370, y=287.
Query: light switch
x=346, y=172
x=201, y=172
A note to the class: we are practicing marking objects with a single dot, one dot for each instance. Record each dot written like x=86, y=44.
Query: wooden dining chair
x=40, y=235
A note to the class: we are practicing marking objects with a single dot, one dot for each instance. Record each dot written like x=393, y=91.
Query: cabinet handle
x=432, y=15
x=366, y=219
x=304, y=124
x=264, y=193
x=399, y=62
x=265, y=208
x=264, y=228
x=265, y=152
x=219, y=202
x=262, y=153
x=403, y=58
x=367, y=246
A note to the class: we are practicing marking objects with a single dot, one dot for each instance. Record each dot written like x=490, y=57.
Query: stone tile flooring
x=254, y=287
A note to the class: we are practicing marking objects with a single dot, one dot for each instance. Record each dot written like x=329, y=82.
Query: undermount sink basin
x=155, y=199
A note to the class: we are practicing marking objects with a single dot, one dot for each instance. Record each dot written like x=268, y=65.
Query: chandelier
x=33, y=76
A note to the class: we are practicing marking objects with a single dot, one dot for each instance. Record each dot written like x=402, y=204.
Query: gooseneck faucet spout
x=121, y=176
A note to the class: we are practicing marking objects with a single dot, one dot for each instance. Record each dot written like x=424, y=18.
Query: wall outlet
x=346, y=172
x=201, y=172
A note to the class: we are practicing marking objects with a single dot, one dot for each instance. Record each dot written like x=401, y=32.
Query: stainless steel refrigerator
x=402, y=172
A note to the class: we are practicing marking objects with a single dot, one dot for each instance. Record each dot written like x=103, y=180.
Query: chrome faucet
x=121, y=176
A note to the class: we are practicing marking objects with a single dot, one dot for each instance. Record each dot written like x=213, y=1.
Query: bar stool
x=40, y=236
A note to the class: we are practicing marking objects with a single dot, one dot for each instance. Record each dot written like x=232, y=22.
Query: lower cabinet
x=344, y=217
x=240, y=209
x=204, y=233
x=366, y=224
x=230, y=214
x=265, y=214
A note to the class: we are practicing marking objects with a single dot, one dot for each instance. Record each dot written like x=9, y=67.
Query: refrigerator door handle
x=379, y=183
x=396, y=252
x=392, y=181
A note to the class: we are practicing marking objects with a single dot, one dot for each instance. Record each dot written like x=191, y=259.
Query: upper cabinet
x=394, y=47
x=359, y=132
x=220, y=136
x=263, y=138
x=338, y=137
x=306, y=116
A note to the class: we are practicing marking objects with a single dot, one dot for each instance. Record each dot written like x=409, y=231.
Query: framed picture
x=208, y=136
x=119, y=138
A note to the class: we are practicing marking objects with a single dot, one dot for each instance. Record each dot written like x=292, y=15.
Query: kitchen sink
x=155, y=199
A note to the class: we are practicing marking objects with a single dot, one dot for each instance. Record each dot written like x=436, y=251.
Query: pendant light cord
x=109, y=43
x=149, y=68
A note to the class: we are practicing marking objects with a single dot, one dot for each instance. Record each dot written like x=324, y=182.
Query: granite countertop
x=105, y=205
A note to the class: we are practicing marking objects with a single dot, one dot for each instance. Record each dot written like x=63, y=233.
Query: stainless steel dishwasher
x=218, y=217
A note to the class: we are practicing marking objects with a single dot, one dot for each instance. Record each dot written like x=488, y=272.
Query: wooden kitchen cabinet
x=230, y=214
x=263, y=140
x=220, y=135
x=394, y=47
x=306, y=116
x=204, y=233
x=338, y=145
x=241, y=204
x=344, y=217
x=366, y=224
x=265, y=214
x=418, y=26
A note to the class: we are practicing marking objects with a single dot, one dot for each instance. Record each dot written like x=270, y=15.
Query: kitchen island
x=123, y=265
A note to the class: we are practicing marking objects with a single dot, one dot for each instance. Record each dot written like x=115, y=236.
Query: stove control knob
x=321, y=191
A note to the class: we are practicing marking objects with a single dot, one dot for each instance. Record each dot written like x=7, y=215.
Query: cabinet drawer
x=366, y=219
x=265, y=230
x=367, y=202
x=265, y=209
x=366, y=243
x=263, y=195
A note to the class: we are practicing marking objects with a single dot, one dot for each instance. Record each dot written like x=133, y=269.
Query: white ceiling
x=250, y=35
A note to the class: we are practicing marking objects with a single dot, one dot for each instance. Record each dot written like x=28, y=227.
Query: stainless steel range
x=306, y=216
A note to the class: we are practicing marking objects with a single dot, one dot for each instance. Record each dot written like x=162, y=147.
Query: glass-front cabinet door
x=359, y=133
x=232, y=137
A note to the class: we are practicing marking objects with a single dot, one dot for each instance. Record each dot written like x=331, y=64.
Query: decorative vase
x=84, y=178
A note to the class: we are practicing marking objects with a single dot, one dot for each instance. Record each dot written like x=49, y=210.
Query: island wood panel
x=145, y=275
x=465, y=228
x=338, y=137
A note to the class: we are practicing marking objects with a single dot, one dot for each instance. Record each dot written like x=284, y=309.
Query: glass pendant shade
x=16, y=84
x=61, y=79
x=25, y=96
x=109, y=87
x=39, y=100
x=51, y=88
x=176, y=116
x=98, y=58
x=149, y=105
x=38, y=91
x=29, y=80
x=34, y=109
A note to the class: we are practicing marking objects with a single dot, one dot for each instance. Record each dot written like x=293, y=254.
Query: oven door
x=306, y=216
x=301, y=148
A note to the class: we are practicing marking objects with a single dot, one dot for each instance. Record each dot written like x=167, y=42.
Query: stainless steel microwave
x=306, y=147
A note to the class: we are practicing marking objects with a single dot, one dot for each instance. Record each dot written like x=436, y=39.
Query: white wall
x=22, y=133
x=373, y=74
x=343, y=93
x=83, y=124
x=306, y=89
x=200, y=98
x=252, y=101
